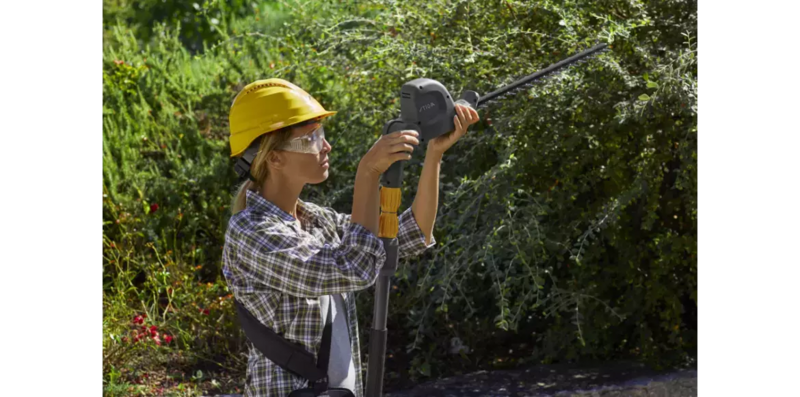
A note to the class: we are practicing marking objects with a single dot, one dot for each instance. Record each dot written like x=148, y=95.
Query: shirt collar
x=258, y=204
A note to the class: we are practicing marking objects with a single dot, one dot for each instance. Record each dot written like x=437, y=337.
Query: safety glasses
x=311, y=143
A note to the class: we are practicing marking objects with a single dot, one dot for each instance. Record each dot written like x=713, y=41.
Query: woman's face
x=310, y=168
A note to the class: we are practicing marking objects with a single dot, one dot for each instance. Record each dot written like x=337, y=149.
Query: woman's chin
x=322, y=178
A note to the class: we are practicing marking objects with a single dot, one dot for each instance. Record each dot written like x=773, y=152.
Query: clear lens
x=311, y=143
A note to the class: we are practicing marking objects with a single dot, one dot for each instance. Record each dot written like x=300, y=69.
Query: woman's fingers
x=400, y=147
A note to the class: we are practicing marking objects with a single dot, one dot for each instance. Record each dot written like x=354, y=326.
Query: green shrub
x=568, y=220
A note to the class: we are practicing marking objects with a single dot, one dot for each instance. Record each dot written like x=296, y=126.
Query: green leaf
x=425, y=369
x=652, y=84
x=644, y=97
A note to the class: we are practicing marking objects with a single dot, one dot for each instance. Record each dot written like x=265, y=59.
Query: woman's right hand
x=388, y=149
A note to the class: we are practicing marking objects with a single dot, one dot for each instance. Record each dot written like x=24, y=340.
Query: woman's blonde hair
x=259, y=169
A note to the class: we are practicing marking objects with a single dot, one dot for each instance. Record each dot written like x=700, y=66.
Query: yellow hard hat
x=264, y=106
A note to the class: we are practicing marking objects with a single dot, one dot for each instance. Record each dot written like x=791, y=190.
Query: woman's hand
x=387, y=150
x=465, y=117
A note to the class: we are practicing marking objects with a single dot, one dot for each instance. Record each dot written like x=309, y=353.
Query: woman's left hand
x=465, y=117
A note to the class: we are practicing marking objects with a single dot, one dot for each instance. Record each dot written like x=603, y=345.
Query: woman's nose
x=326, y=147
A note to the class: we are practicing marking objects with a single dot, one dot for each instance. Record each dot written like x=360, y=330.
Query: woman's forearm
x=366, y=200
x=426, y=201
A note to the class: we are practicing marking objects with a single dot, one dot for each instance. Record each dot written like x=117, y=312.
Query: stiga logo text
x=426, y=107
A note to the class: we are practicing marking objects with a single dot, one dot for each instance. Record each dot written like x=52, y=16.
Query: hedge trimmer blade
x=550, y=71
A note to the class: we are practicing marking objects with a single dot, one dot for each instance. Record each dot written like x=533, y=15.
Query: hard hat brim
x=243, y=140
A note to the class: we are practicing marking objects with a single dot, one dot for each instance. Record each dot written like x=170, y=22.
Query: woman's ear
x=276, y=160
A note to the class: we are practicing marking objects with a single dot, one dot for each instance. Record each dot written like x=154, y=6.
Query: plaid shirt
x=278, y=272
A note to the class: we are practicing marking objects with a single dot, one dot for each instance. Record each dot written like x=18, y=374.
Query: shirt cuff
x=411, y=234
x=356, y=235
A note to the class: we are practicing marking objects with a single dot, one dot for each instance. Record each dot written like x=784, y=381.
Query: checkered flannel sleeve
x=410, y=239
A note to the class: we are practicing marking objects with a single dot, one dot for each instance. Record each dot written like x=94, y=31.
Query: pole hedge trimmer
x=427, y=107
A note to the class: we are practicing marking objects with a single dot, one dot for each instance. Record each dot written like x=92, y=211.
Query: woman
x=287, y=260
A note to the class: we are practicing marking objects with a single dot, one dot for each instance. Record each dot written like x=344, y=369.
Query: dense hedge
x=568, y=220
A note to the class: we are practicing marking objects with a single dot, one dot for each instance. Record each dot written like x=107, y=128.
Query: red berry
x=205, y=311
x=167, y=338
x=153, y=207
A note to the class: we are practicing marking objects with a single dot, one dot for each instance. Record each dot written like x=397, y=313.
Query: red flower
x=158, y=341
x=204, y=311
x=167, y=338
x=138, y=320
x=153, y=329
x=153, y=207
